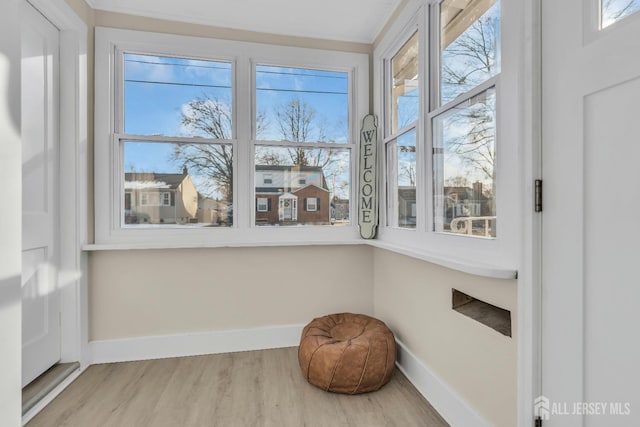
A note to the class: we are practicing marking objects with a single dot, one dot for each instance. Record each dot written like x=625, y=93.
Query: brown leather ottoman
x=347, y=353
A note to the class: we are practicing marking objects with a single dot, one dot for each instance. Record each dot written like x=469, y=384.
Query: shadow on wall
x=10, y=94
x=10, y=293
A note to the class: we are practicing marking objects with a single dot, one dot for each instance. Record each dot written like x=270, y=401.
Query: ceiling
x=346, y=20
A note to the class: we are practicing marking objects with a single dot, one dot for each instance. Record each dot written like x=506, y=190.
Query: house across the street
x=291, y=195
x=168, y=198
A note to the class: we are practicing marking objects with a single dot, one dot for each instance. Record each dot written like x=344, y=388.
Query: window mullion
x=244, y=203
x=172, y=139
x=464, y=97
x=310, y=145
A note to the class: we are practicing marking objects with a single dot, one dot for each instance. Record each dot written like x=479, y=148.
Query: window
x=444, y=166
x=167, y=101
x=150, y=198
x=464, y=173
x=191, y=139
x=302, y=130
x=262, y=204
x=464, y=119
x=612, y=11
x=402, y=114
x=127, y=201
x=312, y=204
x=469, y=46
x=405, y=89
x=301, y=105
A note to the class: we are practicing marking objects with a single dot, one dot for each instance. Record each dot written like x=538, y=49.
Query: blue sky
x=324, y=91
x=159, y=89
x=614, y=10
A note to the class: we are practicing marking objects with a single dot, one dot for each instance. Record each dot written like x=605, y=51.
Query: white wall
x=10, y=216
x=413, y=298
x=165, y=292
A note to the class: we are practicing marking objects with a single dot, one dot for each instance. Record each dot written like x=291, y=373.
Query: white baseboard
x=50, y=396
x=192, y=344
x=443, y=398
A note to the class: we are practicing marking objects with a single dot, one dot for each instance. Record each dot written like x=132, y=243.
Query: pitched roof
x=310, y=185
x=152, y=180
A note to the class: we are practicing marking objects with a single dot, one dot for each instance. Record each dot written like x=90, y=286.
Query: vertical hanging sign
x=368, y=194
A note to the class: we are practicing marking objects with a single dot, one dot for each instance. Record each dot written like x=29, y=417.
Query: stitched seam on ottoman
x=386, y=359
x=313, y=354
x=335, y=368
x=318, y=335
x=364, y=369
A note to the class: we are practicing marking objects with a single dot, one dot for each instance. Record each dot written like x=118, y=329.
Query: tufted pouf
x=347, y=353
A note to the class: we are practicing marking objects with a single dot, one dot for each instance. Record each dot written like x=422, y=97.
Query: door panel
x=39, y=97
x=612, y=152
x=591, y=149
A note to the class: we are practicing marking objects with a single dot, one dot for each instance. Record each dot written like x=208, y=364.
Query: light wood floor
x=258, y=388
x=38, y=388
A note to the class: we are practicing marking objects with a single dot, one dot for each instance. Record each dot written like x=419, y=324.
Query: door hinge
x=538, y=195
x=538, y=422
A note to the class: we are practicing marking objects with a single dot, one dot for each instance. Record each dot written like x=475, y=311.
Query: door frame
x=530, y=271
x=72, y=277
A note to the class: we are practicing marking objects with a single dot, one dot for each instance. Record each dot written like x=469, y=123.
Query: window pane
x=464, y=167
x=177, y=97
x=614, y=10
x=186, y=185
x=404, y=96
x=401, y=181
x=301, y=105
x=470, y=45
x=323, y=199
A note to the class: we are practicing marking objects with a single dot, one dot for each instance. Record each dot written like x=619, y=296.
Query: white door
x=591, y=221
x=40, y=296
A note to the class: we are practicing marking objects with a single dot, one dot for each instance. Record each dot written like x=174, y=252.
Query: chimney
x=477, y=190
x=185, y=171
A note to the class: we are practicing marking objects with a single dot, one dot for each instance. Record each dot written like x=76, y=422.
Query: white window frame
x=315, y=204
x=265, y=207
x=243, y=56
x=355, y=89
x=504, y=251
x=146, y=196
x=405, y=28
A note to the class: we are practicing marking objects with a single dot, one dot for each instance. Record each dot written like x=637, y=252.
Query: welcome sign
x=368, y=194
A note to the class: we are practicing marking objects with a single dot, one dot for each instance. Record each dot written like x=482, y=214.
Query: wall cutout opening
x=489, y=315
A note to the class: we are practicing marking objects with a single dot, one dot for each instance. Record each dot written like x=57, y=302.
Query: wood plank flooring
x=258, y=388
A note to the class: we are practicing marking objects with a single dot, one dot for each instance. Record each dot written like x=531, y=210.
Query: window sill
x=458, y=264
x=465, y=266
x=96, y=247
